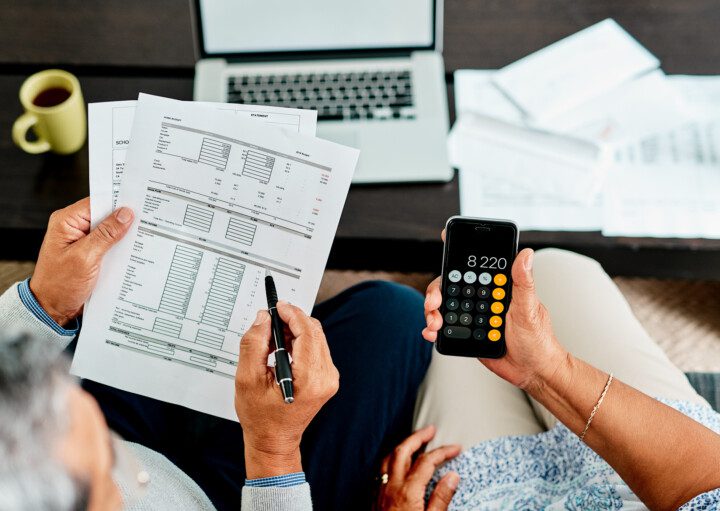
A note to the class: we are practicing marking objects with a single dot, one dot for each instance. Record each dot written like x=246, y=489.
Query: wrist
x=553, y=378
x=62, y=319
x=270, y=461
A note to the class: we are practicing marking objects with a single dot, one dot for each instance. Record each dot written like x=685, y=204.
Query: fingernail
x=453, y=479
x=529, y=261
x=124, y=215
x=262, y=317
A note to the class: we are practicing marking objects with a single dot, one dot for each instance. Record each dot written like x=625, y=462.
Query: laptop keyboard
x=336, y=96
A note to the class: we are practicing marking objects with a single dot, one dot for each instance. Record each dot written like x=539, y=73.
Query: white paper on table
x=110, y=124
x=667, y=201
x=549, y=164
x=218, y=200
x=574, y=70
x=701, y=92
x=529, y=210
x=644, y=105
x=475, y=93
x=695, y=140
x=693, y=143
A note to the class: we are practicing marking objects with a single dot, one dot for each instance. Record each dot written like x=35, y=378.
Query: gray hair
x=34, y=381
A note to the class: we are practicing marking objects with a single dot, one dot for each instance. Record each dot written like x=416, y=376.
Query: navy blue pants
x=373, y=330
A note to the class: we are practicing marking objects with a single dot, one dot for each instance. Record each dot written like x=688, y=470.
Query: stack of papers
x=221, y=194
x=640, y=148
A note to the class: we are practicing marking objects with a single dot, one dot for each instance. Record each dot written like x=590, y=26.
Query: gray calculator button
x=470, y=277
x=453, y=290
x=452, y=304
x=468, y=291
x=480, y=320
x=482, y=306
x=483, y=292
x=479, y=334
x=484, y=278
x=466, y=305
x=451, y=318
x=457, y=332
x=454, y=276
x=465, y=319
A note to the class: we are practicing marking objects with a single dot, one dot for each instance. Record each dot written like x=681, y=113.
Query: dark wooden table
x=121, y=47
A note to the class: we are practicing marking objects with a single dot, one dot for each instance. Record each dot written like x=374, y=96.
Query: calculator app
x=476, y=284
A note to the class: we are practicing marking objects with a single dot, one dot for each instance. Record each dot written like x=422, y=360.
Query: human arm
x=48, y=304
x=665, y=457
x=272, y=429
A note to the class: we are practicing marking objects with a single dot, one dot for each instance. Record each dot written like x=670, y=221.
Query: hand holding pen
x=283, y=371
x=271, y=430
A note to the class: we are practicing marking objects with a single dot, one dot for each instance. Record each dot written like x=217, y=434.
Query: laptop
x=373, y=70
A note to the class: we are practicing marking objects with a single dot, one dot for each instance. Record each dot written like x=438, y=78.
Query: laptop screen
x=265, y=26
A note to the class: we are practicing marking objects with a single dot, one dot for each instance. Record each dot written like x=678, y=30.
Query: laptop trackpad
x=350, y=138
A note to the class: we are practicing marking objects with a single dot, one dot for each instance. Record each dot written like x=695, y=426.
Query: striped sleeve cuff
x=29, y=301
x=283, y=481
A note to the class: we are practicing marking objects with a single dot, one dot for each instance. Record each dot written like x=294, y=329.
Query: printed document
x=574, y=70
x=546, y=163
x=701, y=92
x=640, y=106
x=109, y=126
x=540, y=181
x=667, y=184
x=531, y=211
x=693, y=143
x=218, y=200
x=666, y=201
x=475, y=93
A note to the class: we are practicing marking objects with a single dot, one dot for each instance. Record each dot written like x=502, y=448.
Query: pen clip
x=271, y=358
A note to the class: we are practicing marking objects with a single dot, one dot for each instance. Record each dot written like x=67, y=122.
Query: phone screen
x=476, y=286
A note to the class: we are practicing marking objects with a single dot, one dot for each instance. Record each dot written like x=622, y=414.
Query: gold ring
x=384, y=478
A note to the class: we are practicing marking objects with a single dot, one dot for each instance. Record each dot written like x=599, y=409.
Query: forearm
x=665, y=457
x=20, y=312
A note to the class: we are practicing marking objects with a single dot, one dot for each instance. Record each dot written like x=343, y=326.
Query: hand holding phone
x=476, y=286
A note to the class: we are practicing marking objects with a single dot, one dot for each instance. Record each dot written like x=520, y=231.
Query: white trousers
x=468, y=404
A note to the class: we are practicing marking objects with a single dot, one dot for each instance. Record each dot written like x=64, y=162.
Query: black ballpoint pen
x=283, y=373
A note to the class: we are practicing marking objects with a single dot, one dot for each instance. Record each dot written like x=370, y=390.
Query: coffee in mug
x=51, y=97
x=54, y=110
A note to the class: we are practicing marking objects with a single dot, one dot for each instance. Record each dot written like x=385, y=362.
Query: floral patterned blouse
x=554, y=470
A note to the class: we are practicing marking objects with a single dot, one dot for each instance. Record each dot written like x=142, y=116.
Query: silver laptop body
x=373, y=70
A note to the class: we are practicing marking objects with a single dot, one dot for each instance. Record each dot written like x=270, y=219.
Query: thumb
x=108, y=233
x=444, y=491
x=524, y=299
x=255, y=346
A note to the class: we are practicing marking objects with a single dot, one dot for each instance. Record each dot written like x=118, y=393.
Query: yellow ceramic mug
x=54, y=110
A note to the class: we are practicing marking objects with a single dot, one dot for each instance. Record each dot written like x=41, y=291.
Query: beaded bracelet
x=597, y=406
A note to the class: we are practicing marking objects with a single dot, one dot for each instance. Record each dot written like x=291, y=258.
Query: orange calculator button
x=500, y=279
x=494, y=335
x=498, y=293
x=495, y=321
x=497, y=307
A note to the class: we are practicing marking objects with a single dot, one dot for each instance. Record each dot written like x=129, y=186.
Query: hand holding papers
x=218, y=200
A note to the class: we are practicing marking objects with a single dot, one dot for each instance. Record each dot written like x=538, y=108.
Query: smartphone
x=476, y=286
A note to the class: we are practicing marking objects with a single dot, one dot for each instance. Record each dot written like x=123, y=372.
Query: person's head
x=55, y=448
